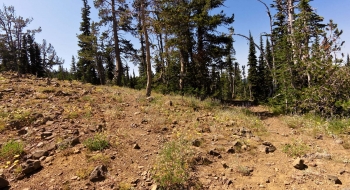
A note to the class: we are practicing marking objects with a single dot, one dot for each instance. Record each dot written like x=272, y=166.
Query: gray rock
x=339, y=141
x=136, y=146
x=70, y=141
x=299, y=164
x=196, y=143
x=39, y=153
x=45, y=134
x=22, y=132
x=214, y=153
x=98, y=174
x=51, y=147
x=31, y=166
x=231, y=150
x=3, y=182
x=334, y=179
x=263, y=148
x=154, y=187
x=324, y=155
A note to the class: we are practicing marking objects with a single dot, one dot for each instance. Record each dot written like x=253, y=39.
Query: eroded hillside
x=69, y=135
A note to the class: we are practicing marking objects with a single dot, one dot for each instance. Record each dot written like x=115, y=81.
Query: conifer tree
x=86, y=69
x=73, y=69
x=253, y=78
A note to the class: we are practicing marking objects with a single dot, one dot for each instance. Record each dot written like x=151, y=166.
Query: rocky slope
x=224, y=147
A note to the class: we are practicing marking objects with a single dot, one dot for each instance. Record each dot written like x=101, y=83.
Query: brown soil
x=126, y=117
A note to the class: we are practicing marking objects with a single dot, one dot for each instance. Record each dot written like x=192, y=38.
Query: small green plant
x=98, y=142
x=172, y=167
x=295, y=149
x=83, y=173
x=99, y=158
x=338, y=126
x=124, y=186
x=293, y=122
x=244, y=170
x=18, y=169
x=11, y=148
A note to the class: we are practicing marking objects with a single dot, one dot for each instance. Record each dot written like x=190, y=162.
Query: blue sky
x=60, y=21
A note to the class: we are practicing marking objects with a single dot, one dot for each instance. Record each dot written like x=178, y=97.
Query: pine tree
x=253, y=78
x=86, y=70
x=73, y=69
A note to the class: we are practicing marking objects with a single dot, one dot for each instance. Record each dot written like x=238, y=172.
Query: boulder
x=98, y=174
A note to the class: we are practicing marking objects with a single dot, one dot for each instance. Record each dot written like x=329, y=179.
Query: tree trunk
x=119, y=66
x=148, y=52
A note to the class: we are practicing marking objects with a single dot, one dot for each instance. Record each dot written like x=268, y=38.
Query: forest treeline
x=297, y=66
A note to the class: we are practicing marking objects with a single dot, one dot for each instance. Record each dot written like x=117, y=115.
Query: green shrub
x=338, y=126
x=295, y=149
x=172, y=167
x=98, y=142
x=10, y=149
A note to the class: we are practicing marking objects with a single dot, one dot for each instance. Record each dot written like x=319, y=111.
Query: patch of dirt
x=229, y=153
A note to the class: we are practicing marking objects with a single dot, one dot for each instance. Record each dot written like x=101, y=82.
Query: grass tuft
x=295, y=149
x=11, y=149
x=172, y=167
x=98, y=142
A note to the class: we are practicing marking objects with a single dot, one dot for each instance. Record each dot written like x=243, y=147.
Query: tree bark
x=148, y=52
x=119, y=66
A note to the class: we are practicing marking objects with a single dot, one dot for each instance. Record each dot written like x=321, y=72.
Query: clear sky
x=60, y=21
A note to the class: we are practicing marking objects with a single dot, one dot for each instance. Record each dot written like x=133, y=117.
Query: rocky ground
x=227, y=147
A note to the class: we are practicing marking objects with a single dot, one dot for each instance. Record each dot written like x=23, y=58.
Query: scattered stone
x=339, y=141
x=229, y=182
x=45, y=134
x=136, y=146
x=214, y=153
x=61, y=93
x=299, y=164
x=224, y=165
x=70, y=141
x=3, y=182
x=30, y=166
x=134, y=125
x=22, y=132
x=150, y=99
x=319, y=137
x=267, y=147
x=144, y=121
x=51, y=147
x=154, y=187
x=77, y=151
x=231, y=150
x=256, y=138
x=200, y=160
x=39, y=153
x=334, y=179
x=8, y=90
x=49, y=122
x=196, y=143
x=14, y=124
x=74, y=178
x=170, y=103
x=324, y=155
x=40, y=144
x=98, y=174
x=244, y=132
x=135, y=181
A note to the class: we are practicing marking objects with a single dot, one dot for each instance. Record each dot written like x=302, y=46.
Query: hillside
x=67, y=129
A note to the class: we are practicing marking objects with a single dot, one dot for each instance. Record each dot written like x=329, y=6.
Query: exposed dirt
x=236, y=150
